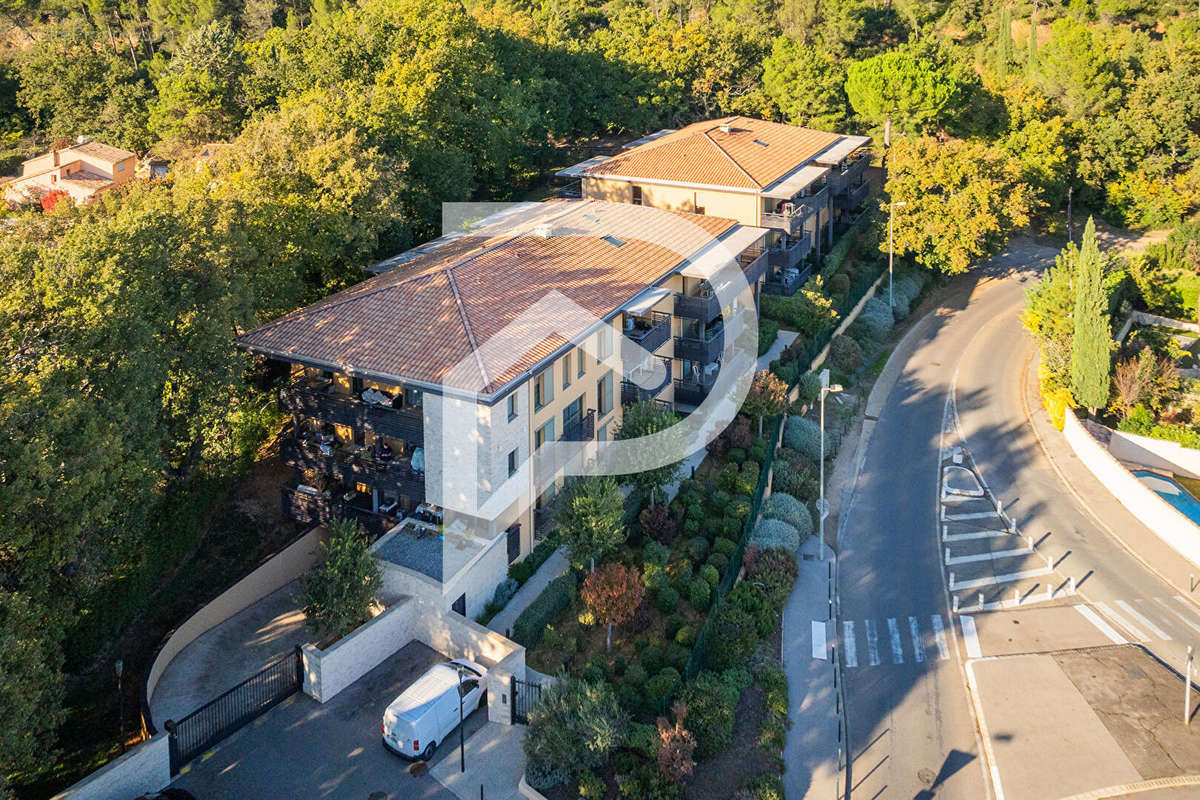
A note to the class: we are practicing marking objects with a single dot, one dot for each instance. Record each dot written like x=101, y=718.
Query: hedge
x=553, y=601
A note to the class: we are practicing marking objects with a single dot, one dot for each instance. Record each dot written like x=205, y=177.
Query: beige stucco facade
x=79, y=172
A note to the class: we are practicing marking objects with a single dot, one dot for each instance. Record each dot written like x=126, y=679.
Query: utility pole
x=1070, y=197
x=822, y=503
x=1187, y=689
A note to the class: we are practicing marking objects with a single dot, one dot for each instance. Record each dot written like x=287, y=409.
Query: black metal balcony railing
x=854, y=196
x=311, y=509
x=352, y=468
x=792, y=222
x=320, y=403
x=852, y=175
x=703, y=307
x=703, y=349
x=581, y=428
x=633, y=393
x=692, y=391
x=651, y=331
x=785, y=257
x=754, y=264
x=781, y=284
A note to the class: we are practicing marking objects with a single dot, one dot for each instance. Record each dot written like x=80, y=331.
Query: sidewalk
x=495, y=763
x=812, y=740
x=554, y=566
x=784, y=339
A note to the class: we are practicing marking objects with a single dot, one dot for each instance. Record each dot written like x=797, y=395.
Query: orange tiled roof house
x=80, y=171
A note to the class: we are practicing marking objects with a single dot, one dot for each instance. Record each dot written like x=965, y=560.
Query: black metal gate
x=219, y=718
x=524, y=697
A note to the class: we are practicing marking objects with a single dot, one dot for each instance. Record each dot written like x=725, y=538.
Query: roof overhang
x=647, y=300
x=795, y=181
x=721, y=252
x=841, y=149
x=578, y=170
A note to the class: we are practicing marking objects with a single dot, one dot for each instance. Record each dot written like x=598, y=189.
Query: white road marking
x=970, y=637
x=1108, y=611
x=963, y=537
x=849, y=646
x=997, y=579
x=1101, y=625
x=914, y=631
x=1157, y=631
x=872, y=644
x=897, y=649
x=939, y=636
x=1182, y=617
x=1186, y=603
x=970, y=515
x=818, y=640
x=1020, y=551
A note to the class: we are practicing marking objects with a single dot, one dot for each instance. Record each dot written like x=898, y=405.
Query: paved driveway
x=303, y=749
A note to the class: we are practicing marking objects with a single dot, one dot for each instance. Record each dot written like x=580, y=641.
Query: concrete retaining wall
x=1155, y=453
x=1179, y=532
x=329, y=671
x=279, y=570
x=144, y=769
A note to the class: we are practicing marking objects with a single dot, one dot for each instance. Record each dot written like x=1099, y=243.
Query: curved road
x=912, y=726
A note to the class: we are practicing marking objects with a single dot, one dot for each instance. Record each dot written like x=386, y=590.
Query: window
x=573, y=413
x=121, y=167
x=543, y=434
x=543, y=387
x=566, y=369
x=467, y=686
x=512, y=406
x=604, y=393
x=602, y=433
x=637, y=196
x=604, y=343
x=699, y=209
x=54, y=179
x=512, y=463
x=580, y=358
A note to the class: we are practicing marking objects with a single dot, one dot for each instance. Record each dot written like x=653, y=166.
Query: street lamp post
x=822, y=504
x=891, y=249
x=119, y=668
x=462, y=747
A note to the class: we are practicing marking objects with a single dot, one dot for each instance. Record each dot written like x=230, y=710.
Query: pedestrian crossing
x=893, y=640
x=1143, y=619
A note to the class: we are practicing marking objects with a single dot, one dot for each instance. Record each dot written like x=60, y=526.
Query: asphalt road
x=912, y=732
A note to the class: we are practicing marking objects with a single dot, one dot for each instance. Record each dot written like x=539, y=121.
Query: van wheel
x=429, y=751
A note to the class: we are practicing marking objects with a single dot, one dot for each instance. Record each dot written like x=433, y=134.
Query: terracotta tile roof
x=418, y=320
x=103, y=152
x=752, y=155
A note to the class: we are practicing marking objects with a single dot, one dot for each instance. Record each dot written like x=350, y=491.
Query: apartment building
x=80, y=171
x=536, y=328
x=801, y=184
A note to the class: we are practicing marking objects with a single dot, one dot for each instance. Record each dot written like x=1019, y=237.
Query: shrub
x=732, y=480
x=700, y=594
x=550, y=637
x=758, y=604
x=784, y=507
x=591, y=787
x=797, y=478
x=808, y=387
x=775, y=569
x=657, y=524
x=339, y=591
x=711, y=702
x=739, y=433
x=667, y=600
x=839, y=285
x=691, y=526
x=594, y=672
x=845, y=354
x=655, y=578
x=520, y=571
x=641, y=619
x=573, y=728
x=630, y=698
x=731, y=527
x=736, y=455
x=732, y=637
x=804, y=436
x=758, y=452
x=710, y=574
x=686, y=636
x=619, y=666
x=553, y=600
x=642, y=738
x=674, y=623
x=718, y=561
x=656, y=553
x=750, y=474
x=652, y=658
x=697, y=548
x=768, y=332
x=767, y=787
x=775, y=533
x=505, y=591
x=1059, y=400
x=660, y=689
x=635, y=675
x=724, y=546
x=677, y=656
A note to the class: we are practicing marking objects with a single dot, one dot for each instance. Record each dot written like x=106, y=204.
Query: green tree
x=339, y=592
x=767, y=397
x=964, y=199
x=807, y=83
x=199, y=90
x=1073, y=69
x=572, y=729
x=591, y=519
x=918, y=86
x=1049, y=306
x=30, y=692
x=1092, y=343
x=643, y=419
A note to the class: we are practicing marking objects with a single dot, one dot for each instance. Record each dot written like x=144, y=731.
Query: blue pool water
x=1172, y=492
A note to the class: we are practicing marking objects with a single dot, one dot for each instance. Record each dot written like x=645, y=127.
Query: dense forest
x=126, y=417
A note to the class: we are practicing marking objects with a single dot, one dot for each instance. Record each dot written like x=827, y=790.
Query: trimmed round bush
x=845, y=354
x=775, y=533
x=699, y=595
x=724, y=546
x=697, y=548
x=655, y=578
x=505, y=591
x=594, y=672
x=686, y=636
x=736, y=455
x=672, y=626
x=635, y=675
x=630, y=698
x=808, y=387
x=710, y=574
x=839, y=285
x=718, y=561
x=668, y=600
x=784, y=507
x=678, y=655
x=661, y=689
x=711, y=702
x=656, y=553
x=804, y=436
x=652, y=659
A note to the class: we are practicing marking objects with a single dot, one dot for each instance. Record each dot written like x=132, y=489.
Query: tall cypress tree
x=1093, y=339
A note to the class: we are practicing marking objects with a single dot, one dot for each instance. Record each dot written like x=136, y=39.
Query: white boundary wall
x=1142, y=318
x=1155, y=513
x=819, y=360
x=327, y=672
x=144, y=769
x=1155, y=453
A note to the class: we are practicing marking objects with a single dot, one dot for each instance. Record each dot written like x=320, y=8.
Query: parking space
x=305, y=749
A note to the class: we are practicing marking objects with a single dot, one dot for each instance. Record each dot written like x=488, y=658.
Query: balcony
x=702, y=349
x=321, y=509
x=650, y=331
x=703, y=306
x=786, y=282
x=791, y=221
x=581, y=428
x=633, y=393
x=754, y=264
x=320, y=402
x=352, y=467
x=852, y=175
x=854, y=196
x=786, y=257
x=692, y=391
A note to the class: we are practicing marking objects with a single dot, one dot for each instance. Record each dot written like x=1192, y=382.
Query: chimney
x=726, y=128
x=543, y=231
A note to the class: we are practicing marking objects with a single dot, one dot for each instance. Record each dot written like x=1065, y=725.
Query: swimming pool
x=1172, y=492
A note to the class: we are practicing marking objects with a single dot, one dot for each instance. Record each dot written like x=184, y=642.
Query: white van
x=422, y=717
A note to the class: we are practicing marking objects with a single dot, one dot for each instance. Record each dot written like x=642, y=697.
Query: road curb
x=1135, y=788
